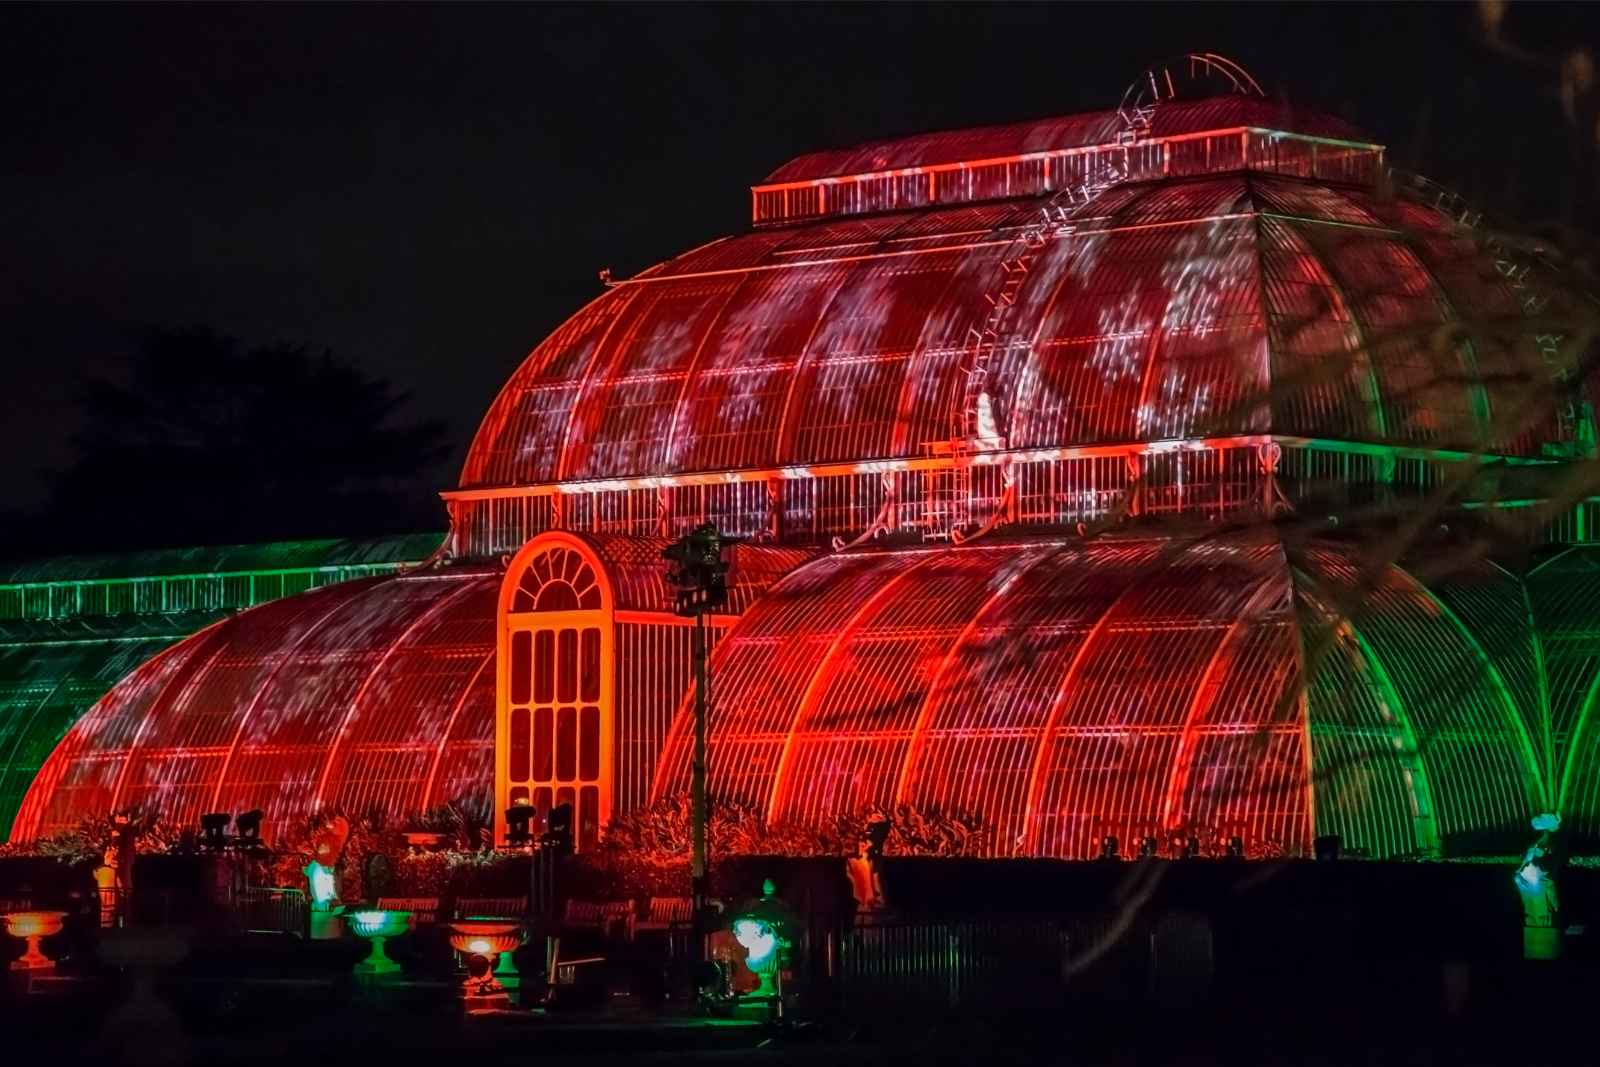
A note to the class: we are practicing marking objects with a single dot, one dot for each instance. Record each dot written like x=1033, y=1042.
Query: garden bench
x=609, y=918
x=424, y=910
x=666, y=913
x=492, y=907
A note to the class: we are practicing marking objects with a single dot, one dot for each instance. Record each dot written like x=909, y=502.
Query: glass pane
x=588, y=817
x=544, y=678
x=518, y=795
x=567, y=667
x=564, y=795
x=541, y=800
x=566, y=744
x=541, y=745
x=521, y=665
x=590, y=674
x=589, y=745
x=517, y=763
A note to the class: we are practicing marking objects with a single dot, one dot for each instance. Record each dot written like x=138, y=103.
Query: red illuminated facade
x=1004, y=416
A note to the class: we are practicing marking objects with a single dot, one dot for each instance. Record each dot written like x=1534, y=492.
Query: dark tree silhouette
x=206, y=441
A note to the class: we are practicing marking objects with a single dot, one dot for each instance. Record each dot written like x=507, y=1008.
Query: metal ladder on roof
x=947, y=497
x=1523, y=279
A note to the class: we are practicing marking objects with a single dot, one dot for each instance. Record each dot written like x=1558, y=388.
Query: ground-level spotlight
x=214, y=829
x=519, y=818
x=558, y=829
x=1327, y=847
x=1147, y=848
x=248, y=825
x=1108, y=847
x=1236, y=848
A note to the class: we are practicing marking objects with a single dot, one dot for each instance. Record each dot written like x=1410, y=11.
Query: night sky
x=428, y=191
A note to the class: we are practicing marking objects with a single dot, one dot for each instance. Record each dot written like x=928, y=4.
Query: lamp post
x=699, y=576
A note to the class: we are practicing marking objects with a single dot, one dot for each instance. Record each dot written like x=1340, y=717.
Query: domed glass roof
x=1058, y=690
x=1207, y=306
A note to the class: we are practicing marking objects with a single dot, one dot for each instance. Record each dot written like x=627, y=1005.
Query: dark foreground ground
x=1529, y=1014
x=1319, y=964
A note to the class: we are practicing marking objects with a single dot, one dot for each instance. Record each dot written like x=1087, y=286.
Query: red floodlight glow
x=962, y=345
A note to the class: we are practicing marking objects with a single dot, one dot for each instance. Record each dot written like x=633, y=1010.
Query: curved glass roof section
x=1062, y=690
x=222, y=559
x=376, y=692
x=71, y=627
x=51, y=673
x=1238, y=304
x=370, y=693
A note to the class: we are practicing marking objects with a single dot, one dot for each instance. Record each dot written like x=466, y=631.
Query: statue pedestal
x=1541, y=943
x=326, y=926
x=486, y=1001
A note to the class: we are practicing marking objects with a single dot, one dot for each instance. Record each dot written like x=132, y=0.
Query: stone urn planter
x=33, y=927
x=377, y=926
x=488, y=938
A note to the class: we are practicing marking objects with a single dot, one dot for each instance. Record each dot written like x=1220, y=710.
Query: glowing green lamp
x=762, y=928
x=324, y=886
x=760, y=943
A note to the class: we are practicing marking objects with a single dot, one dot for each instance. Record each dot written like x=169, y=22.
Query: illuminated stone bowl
x=488, y=938
x=377, y=926
x=32, y=927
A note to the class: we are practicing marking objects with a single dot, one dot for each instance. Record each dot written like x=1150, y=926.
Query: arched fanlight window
x=557, y=580
x=555, y=720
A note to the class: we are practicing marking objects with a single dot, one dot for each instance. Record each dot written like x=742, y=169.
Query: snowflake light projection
x=1195, y=308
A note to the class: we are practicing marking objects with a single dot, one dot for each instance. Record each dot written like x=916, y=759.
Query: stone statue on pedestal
x=864, y=868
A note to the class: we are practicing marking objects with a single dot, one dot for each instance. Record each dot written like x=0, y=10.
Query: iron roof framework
x=1208, y=309
x=1060, y=689
x=71, y=627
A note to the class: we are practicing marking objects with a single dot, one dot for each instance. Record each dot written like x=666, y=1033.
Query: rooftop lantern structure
x=1000, y=425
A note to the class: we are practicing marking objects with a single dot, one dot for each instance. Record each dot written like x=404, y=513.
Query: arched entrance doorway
x=555, y=703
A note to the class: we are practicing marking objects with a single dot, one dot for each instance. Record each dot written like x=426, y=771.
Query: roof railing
x=1045, y=173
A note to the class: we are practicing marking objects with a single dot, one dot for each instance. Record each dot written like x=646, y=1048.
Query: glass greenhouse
x=1047, y=446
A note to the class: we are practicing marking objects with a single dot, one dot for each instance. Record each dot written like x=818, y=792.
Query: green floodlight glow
x=762, y=928
x=759, y=941
x=322, y=883
x=1530, y=879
